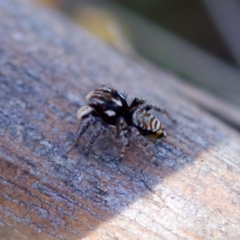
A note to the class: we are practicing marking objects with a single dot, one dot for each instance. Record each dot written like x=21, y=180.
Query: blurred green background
x=195, y=40
x=188, y=19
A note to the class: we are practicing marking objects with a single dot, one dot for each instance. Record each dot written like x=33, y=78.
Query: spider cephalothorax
x=109, y=106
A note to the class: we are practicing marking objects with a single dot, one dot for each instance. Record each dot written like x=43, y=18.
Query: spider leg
x=83, y=127
x=99, y=131
x=121, y=130
x=158, y=109
x=136, y=103
x=142, y=140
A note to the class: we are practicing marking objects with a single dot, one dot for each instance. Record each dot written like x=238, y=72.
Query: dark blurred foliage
x=186, y=18
x=197, y=40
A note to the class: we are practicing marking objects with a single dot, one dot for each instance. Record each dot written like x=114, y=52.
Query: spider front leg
x=101, y=130
x=81, y=130
x=82, y=113
x=121, y=130
x=142, y=140
x=158, y=109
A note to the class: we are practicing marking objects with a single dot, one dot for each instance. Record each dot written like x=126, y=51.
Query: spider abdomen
x=146, y=121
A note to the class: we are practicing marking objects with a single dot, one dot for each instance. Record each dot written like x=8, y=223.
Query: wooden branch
x=47, y=66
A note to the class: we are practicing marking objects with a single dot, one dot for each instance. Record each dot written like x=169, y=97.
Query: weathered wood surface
x=47, y=66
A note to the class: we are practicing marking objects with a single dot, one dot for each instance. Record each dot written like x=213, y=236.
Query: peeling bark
x=47, y=66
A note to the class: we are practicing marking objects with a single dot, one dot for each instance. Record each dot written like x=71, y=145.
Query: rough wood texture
x=47, y=66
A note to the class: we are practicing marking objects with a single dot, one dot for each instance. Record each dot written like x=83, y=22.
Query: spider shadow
x=111, y=186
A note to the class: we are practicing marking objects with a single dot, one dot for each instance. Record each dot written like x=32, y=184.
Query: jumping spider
x=110, y=107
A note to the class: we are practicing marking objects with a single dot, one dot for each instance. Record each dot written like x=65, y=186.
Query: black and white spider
x=109, y=106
